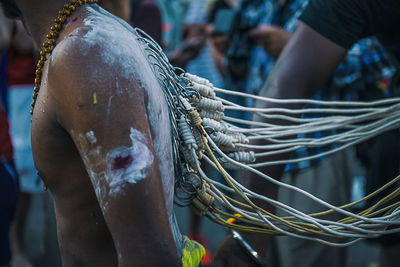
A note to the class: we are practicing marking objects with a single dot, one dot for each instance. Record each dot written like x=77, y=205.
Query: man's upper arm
x=325, y=31
x=306, y=63
x=105, y=114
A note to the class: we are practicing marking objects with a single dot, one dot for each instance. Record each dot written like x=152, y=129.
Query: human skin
x=101, y=141
x=305, y=64
x=273, y=39
x=193, y=43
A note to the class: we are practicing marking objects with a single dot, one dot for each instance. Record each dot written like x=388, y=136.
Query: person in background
x=8, y=189
x=173, y=13
x=181, y=43
x=8, y=174
x=367, y=73
x=194, y=39
x=197, y=24
x=202, y=64
x=4, y=41
x=326, y=32
x=243, y=64
x=18, y=80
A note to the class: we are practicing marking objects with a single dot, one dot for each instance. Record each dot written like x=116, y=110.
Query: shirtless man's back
x=101, y=142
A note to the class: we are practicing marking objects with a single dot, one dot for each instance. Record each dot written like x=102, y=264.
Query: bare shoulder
x=100, y=58
x=100, y=53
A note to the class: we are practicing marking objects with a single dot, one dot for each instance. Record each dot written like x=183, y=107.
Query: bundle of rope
x=202, y=133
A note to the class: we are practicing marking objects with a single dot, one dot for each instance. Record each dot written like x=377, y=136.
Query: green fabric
x=192, y=253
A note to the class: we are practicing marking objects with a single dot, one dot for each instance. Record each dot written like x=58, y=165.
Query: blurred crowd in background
x=234, y=44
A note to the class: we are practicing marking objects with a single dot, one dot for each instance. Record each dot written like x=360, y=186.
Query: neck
x=39, y=16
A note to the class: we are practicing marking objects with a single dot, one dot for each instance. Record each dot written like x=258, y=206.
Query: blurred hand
x=219, y=42
x=231, y=254
x=197, y=29
x=195, y=39
x=272, y=38
x=192, y=45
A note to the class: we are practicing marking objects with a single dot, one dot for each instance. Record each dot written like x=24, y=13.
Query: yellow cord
x=292, y=225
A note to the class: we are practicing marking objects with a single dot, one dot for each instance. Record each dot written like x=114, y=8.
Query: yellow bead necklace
x=50, y=42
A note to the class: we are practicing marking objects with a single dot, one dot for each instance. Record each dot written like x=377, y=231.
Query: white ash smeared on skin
x=157, y=110
x=107, y=44
x=125, y=165
x=94, y=37
x=128, y=164
x=91, y=156
x=91, y=137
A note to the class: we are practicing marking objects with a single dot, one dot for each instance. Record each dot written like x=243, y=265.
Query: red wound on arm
x=122, y=162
